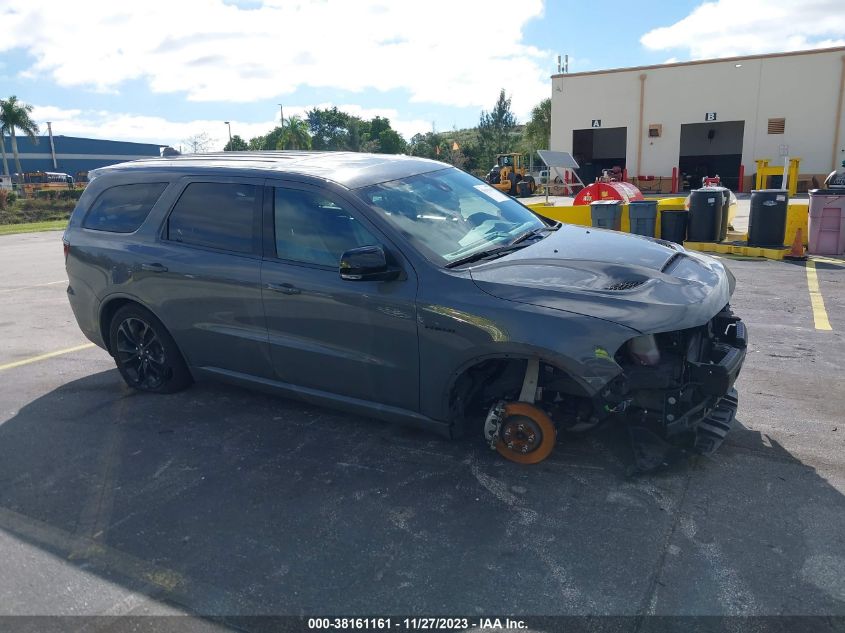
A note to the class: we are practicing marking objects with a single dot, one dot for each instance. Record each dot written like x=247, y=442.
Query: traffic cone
x=797, y=250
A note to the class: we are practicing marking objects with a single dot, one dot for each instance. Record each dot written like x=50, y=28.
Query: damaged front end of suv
x=671, y=383
x=677, y=388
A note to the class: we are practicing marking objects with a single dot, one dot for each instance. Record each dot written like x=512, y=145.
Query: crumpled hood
x=638, y=282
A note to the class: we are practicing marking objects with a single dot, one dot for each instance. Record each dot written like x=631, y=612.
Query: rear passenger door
x=351, y=338
x=206, y=277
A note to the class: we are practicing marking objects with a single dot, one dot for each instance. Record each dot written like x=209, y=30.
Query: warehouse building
x=73, y=155
x=705, y=118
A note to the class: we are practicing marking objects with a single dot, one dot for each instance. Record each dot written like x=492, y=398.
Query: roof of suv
x=351, y=169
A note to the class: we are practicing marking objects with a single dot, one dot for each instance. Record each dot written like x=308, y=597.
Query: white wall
x=803, y=88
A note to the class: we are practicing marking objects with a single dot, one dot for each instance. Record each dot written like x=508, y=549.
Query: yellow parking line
x=816, y=299
x=35, y=359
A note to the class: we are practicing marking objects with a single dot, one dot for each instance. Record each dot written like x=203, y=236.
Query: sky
x=162, y=71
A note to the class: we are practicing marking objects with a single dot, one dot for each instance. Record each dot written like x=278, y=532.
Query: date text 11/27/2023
x=415, y=624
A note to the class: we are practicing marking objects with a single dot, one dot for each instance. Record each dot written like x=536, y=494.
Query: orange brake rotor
x=526, y=435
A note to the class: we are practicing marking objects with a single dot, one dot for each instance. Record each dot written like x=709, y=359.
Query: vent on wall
x=777, y=126
x=655, y=130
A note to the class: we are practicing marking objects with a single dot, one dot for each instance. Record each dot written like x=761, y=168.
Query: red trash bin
x=827, y=222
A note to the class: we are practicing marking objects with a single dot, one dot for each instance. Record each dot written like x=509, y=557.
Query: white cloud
x=153, y=129
x=746, y=27
x=439, y=51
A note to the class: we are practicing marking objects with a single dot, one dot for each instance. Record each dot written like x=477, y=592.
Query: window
x=217, y=215
x=777, y=126
x=122, y=209
x=314, y=230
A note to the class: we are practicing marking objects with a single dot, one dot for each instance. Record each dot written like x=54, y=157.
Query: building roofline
x=703, y=61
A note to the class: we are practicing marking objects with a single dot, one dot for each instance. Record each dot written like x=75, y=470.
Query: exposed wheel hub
x=521, y=434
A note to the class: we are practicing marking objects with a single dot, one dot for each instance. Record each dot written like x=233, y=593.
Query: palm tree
x=295, y=134
x=3, y=149
x=14, y=115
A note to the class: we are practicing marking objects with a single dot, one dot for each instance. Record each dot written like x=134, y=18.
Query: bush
x=70, y=194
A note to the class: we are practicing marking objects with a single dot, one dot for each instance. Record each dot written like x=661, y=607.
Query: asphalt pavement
x=223, y=502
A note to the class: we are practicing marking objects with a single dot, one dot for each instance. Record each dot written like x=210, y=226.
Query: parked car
x=403, y=289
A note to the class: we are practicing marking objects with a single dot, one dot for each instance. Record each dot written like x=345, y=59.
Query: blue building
x=74, y=154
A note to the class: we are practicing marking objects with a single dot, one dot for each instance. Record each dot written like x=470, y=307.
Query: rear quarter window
x=123, y=208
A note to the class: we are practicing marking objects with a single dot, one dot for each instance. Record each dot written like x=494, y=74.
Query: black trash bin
x=705, y=215
x=523, y=188
x=767, y=220
x=726, y=207
x=643, y=216
x=673, y=226
x=606, y=214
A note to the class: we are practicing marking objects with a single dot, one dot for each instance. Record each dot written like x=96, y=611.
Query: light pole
x=282, y=114
x=230, y=132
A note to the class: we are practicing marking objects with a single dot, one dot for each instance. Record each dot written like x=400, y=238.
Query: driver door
x=352, y=338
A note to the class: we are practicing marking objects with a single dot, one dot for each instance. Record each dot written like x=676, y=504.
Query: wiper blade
x=485, y=254
x=516, y=244
x=533, y=232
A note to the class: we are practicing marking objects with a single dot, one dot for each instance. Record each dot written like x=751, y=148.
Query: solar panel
x=563, y=160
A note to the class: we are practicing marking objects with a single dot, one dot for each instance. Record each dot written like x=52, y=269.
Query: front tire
x=144, y=352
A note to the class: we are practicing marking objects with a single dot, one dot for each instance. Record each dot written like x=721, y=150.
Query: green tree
x=15, y=115
x=495, y=130
x=294, y=134
x=539, y=129
x=391, y=142
x=237, y=144
x=329, y=128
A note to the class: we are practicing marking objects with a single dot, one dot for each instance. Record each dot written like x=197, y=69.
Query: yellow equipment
x=508, y=172
x=764, y=170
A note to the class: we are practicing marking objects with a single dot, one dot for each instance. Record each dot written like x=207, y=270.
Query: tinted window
x=122, y=209
x=218, y=215
x=315, y=230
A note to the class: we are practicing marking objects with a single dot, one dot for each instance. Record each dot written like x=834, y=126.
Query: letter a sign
x=596, y=123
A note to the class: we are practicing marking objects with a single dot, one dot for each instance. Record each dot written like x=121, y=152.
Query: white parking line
x=49, y=283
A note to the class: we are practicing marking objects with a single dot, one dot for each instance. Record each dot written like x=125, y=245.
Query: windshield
x=449, y=214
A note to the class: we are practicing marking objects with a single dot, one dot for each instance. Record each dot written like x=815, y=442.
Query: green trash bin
x=606, y=214
x=643, y=217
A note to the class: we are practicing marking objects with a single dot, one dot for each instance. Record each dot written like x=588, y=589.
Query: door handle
x=154, y=268
x=285, y=289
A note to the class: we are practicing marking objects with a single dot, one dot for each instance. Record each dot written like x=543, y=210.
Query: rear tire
x=145, y=354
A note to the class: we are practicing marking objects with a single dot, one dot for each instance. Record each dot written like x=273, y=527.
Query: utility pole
x=282, y=114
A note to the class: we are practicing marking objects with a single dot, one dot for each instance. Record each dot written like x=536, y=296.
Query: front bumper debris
x=693, y=411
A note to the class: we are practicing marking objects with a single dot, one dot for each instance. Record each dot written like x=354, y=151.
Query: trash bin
x=607, y=214
x=767, y=220
x=523, y=188
x=643, y=216
x=705, y=215
x=827, y=222
x=726, y=207
x=673, y=226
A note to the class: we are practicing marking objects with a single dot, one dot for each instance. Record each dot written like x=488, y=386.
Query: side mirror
x=367, y=263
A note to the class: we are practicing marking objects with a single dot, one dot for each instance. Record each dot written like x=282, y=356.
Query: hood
x=646, y=284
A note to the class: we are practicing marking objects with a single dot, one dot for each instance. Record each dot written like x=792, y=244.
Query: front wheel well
x=480, y=385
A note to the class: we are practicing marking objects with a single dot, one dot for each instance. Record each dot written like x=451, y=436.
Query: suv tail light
x=66, y=246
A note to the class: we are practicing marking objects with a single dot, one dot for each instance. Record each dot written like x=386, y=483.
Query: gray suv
x=403, y=289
